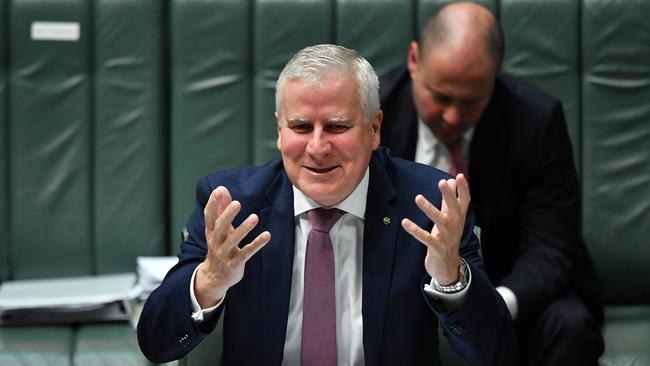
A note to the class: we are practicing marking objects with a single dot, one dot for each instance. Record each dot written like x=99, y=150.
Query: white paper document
x=67, y=300
x=155, y=268
x=151, y=272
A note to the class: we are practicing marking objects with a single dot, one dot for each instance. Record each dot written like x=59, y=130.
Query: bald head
x=462, y=26
x=454, y=68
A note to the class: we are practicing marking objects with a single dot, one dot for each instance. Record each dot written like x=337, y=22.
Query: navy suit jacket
x=399, y=321
x=524, y=187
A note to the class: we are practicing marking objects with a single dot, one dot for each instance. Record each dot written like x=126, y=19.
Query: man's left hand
x=443, y=241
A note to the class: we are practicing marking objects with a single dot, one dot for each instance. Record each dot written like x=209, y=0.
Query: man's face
x=323, y=138
x=451, y=89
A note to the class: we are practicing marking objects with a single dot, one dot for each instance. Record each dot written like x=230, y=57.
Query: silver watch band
x=455, y=287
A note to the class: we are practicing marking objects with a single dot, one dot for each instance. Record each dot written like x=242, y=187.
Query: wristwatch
x=455, y=287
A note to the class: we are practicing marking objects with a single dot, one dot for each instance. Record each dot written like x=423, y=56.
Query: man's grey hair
x=312, y=63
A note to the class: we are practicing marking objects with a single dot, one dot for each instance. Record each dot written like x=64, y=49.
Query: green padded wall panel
x=616, y=144
x=380, y=32
x=49, y=133
x=543, y=46
x=35, y=346
x=425, y=8
x=281, y=29
x=108, y=345
x=210, y=100
x=4, y=204
x=129, y=167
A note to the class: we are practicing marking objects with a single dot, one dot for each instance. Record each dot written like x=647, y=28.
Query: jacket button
x=185, y=340
x=457, y=329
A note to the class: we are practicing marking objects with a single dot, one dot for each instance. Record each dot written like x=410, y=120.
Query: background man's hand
x=443, y=242
x=224, y=264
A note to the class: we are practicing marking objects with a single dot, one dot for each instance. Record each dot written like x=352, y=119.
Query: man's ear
x=413, y=58
x=277, y=120
x=375, y=124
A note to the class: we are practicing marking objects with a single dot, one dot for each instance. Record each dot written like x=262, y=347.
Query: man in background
x=451, y=108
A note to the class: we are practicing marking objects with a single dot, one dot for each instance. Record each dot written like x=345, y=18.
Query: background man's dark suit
x=524, y=189
x=399, y=325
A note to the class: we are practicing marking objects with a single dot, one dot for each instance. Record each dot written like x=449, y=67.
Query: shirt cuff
x=198, y=314
x=446, y=302
x=510, y=299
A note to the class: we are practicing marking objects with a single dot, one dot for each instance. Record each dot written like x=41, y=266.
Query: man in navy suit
x=449, y=106
x=396, y=277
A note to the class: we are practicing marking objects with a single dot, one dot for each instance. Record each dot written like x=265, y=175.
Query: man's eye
x=442, y=99
x=301, y=128
x=337, y=128
x=470, y=103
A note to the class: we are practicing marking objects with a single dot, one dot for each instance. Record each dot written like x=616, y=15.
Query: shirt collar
x=355, y=203
x=426, y=138
x=430, y=142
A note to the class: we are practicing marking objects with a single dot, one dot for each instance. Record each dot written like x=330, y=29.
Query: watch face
x=462, y=274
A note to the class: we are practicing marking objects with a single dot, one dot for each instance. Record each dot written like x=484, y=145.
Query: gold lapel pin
x=386, y=220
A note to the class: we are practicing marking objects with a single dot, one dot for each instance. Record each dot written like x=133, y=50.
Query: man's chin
x=322, y=195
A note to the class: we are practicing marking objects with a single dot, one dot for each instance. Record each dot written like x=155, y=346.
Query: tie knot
x=455, y=148
x=322, y=219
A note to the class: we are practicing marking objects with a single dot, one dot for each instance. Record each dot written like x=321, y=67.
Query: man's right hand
x=224, y=264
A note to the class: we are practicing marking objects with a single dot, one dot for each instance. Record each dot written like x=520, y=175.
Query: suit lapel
x=379, y=240
x=277, y=266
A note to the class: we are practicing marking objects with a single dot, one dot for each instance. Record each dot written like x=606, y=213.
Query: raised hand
x=224, y=264
x=443, y=241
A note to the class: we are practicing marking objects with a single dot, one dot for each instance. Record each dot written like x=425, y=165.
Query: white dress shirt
x=431, y=151
x=347, y=239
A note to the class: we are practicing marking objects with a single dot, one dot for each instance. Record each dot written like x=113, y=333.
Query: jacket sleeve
x=480, y=330
x=549, y=229
x=166, y=331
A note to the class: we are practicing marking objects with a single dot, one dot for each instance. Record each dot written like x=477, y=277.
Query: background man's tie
x=319, y=303
x=458, y=161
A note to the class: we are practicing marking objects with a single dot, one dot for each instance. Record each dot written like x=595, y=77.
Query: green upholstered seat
x=627, y=336
x=36, y=346
x=107, y=345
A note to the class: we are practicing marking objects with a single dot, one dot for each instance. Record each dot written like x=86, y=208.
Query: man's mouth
x=321, y=170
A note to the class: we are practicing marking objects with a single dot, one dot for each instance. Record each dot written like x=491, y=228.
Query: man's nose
x=318, y=144
x=451, y=115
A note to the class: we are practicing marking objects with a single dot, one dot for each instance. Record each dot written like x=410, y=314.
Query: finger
x=418, y=233
x=428, y=208
x=253, y=247
x=215, y=206
x=448, y=190
x=453, y=185
x=464, y=196
x=237, y=235
x=210, y=209
x=224, y=222
x=225, y=200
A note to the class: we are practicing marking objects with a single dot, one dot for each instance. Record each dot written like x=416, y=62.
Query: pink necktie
x=319, y=303
x=458, y=162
